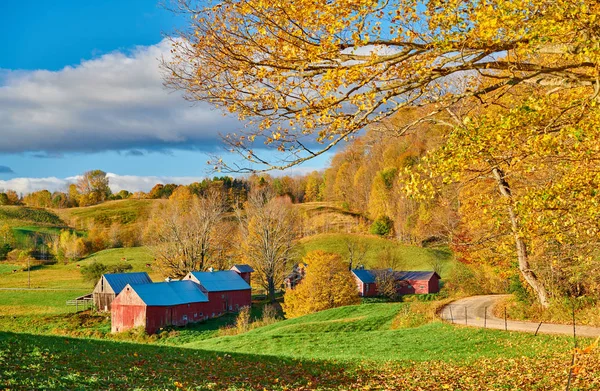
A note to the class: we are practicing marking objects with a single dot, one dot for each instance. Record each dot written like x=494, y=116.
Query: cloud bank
x=114, y=102
x=117, y=183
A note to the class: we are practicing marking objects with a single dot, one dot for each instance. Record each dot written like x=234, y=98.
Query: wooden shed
x=110, y=285
x=154, y=306
x=227, y=291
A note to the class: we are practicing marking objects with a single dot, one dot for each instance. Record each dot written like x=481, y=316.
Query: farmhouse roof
x=117, y=281
x=225, y=280
x=170, y=293
x=369, y=276
x=242, y=268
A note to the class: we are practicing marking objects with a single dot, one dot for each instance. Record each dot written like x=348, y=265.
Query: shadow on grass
x=40, y=362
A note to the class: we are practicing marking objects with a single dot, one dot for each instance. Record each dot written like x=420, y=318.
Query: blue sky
x=80, y=89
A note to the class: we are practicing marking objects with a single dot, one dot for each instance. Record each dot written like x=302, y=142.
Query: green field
x=409, y=257
x=347, y=348
x=22, y=215
x=68, y=276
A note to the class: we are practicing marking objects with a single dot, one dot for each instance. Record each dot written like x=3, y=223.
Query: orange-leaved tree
x=328, y=284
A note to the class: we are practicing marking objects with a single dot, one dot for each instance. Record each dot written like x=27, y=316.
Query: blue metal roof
x=170, y=293
x=117, y=281
x=364, y=275
x=225, y=280
x=242, y=268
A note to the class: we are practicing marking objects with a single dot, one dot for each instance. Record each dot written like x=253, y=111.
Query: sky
x=81, y=89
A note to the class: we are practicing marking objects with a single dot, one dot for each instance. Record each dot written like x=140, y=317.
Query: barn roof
x=242, y=268
x=369, y=276
x=170, y=293
x=364, y=275
x=225, y=280
x=117, y=281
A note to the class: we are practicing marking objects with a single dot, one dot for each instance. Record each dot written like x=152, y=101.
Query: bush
x=95, y=270
x=382, y=226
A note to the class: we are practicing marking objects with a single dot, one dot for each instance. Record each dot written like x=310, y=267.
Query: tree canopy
x=305, y=70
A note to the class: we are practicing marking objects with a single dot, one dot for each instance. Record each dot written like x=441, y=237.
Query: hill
x=124, y=212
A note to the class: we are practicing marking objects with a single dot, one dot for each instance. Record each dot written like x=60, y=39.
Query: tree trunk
x=522, y=254
x=271, y=284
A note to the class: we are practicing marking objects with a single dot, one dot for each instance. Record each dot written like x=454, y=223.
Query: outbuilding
x=408, y=282
x=157, y=305
x=226, y=290
x=110, y=285
x=245, y=271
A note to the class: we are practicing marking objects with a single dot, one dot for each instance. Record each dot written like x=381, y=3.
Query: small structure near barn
x=110, y=285
x=157, y=305
x=295, y=277
x=226, y=290
x=408, y=282
x=245, y=271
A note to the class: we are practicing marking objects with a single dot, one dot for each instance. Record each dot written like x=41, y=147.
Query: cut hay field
x=120, y=211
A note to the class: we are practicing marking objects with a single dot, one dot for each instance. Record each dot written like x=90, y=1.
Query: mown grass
x=69, y=275
x=121, y=211
x=410, y=257
x=363, y=333
x=36, y=302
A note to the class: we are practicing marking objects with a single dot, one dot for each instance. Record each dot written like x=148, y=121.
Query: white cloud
x=114, y=102
x=117, y=183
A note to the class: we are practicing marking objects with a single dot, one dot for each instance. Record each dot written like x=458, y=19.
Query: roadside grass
x=411, y=257
x=8, y=268
x=120, y=211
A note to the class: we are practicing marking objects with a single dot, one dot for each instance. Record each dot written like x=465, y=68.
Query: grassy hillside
x=22, y=215
x=342, y=349
x=120, y=211
x=68, y=275
x=328, y=217
x=410, y=257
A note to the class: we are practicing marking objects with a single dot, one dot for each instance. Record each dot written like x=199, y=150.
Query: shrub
x=382, y=226
x=95, y=270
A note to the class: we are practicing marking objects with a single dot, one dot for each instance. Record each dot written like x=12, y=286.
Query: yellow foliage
x=328, y=284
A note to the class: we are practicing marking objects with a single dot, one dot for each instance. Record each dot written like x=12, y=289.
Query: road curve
x=476, y=311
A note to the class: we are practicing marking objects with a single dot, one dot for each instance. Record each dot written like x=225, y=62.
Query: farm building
x=245, y=271
x=226, y=290
x=157, y=305
x=110, y=285
x=408, y=282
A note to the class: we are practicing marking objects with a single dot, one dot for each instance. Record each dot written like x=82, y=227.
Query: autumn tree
x=268, y=228
x=328, y=284
x=183, y=232
x=93, y=187
x=300, y=67
x=7, y=240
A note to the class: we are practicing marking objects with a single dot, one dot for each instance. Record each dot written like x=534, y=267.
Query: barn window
x=188, y=305
x=184, y=318
x=195, y=314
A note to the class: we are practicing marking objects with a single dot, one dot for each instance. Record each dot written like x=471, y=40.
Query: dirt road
x=476, y=311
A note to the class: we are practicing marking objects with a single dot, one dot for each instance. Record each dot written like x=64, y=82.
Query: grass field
x=24, y=216
x=68, y=275
x=348, y=348
x=120, y=211
x=410, y=257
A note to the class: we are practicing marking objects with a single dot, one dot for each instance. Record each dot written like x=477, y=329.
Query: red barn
x=408, y=282
x=226, y=290
x=157, y=305
x=245, y=271
x=110, y=285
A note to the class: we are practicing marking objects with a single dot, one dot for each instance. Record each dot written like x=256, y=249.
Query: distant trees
x=93, y=186
x=9, y=197
x=327, y=284
x=92, y=272
x=7, y=240
x=268, y=228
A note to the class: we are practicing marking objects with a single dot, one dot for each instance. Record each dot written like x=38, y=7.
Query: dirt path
x=476, y=311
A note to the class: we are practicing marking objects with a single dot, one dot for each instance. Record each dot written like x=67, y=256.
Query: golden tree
x=303, y=69
x=328, y=284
